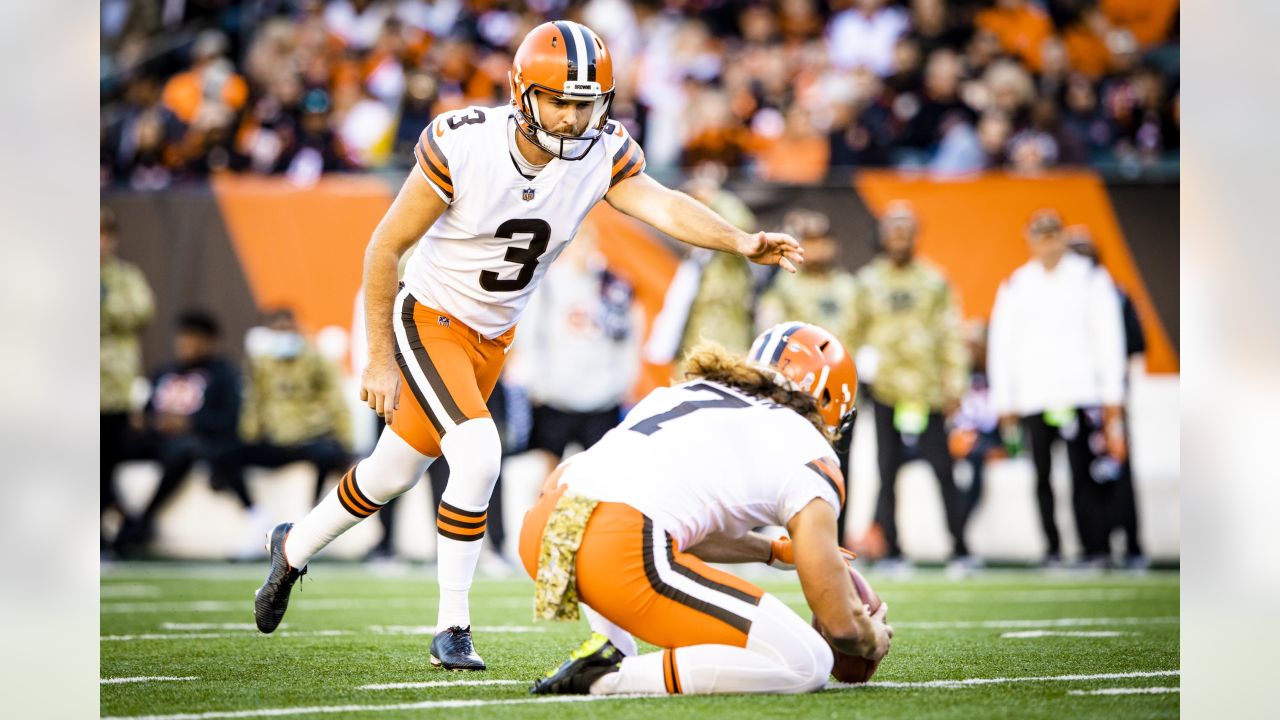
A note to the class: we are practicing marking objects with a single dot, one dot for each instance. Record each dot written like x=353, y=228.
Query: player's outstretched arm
x=688, y=220
x=415, y=208
x=827, y=587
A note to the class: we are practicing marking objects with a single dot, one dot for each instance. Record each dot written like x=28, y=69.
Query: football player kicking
x=626, y=529
x=496, y=195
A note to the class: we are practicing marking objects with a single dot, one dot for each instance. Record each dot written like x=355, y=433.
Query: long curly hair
x=712, y=362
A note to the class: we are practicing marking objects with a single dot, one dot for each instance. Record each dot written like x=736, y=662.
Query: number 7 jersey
x=702, y=458
x=483, y=258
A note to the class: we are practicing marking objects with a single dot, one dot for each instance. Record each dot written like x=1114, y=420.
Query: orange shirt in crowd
x=795, y=159
x=1148, y=20
x=1086, y=52
x=184, y=93
x=1022, y=31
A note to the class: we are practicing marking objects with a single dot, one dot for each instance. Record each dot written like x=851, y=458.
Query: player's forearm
x=689, y=221
x=752, y=547
x=380, y=284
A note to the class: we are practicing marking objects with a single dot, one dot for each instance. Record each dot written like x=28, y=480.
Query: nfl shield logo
x=527, y=195
x=442, y=320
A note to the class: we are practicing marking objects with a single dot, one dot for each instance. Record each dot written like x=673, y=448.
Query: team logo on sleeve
x=527, y=194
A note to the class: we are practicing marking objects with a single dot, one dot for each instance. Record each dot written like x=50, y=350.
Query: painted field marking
x=1127, y=691
x=439, y=683
x=215, y=636
x=438, y=704
x=196, y=606
x=127, y=590
x=341, y=709
x=431, y=629
x=1010, y=596
x=1046, y=623
x=1021, y=634
x=974, y=682
x=212, y=626
x=151, y=678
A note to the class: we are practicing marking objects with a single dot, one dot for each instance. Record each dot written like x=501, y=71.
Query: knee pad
x=474, y=452
x=391, y=469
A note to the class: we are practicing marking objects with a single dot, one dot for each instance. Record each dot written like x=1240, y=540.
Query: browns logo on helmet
x=564, y=60
x=814, y=361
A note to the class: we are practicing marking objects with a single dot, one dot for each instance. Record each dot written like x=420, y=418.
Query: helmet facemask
x=563, y=145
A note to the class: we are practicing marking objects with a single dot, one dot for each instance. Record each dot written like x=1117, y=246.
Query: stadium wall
x=241, y=244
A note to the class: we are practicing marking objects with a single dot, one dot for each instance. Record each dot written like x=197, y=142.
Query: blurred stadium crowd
x=789, y=91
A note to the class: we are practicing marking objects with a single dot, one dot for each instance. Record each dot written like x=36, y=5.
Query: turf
x=379, y=616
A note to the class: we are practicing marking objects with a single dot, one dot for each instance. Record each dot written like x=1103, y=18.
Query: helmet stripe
x=570, y=49
x=582, y=50
x=588, y=37
x=777, y=343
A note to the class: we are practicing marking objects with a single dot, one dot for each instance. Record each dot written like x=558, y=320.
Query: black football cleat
x=272, y=599
x=452, y=650
x=596, y=658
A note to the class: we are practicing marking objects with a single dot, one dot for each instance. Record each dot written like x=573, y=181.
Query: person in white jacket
x=1056, y=364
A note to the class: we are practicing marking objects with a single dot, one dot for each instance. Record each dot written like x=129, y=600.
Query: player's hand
x=380, y=387
x=879, y=636
x=766, y=248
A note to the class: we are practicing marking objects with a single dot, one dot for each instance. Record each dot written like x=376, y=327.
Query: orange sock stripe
x=460, y=528
x=455, y=533
x=666, y=672
x=675, y=673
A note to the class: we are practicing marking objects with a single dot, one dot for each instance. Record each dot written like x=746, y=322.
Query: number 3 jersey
x=702, y=458
x=485, y=255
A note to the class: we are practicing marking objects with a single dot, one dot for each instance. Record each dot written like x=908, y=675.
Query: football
x=851, y=668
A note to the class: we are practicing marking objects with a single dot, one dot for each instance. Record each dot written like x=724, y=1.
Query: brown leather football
x=851, y=668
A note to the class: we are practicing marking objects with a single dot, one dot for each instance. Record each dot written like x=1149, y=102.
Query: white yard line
x=342, y=709
x=439, y=683
x=974, y=682
x=1127, y=691
x=1011, y=596
x=196, y=606
x=1026, y=634
x=431, y=629
x=212, y=626
x=441, y=704
x=127, y=590
x=152, y=678
x=1046, y=623
x=215, y=636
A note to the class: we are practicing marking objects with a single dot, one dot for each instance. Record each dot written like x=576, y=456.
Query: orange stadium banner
x=972, y=227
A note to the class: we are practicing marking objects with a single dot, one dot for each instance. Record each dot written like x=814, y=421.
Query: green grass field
x=1024, y=645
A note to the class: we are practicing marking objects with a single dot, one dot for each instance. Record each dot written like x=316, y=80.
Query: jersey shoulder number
x=434, y=146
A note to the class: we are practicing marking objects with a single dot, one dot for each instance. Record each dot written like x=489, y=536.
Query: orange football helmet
x=566, y=60
x=817, y=363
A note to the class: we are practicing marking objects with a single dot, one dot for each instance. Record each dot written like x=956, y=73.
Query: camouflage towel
x=555, y=596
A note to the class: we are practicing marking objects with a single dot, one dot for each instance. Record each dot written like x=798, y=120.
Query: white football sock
x=474, y=452
x=392, y=468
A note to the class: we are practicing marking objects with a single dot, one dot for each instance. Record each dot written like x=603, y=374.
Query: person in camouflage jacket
x=917, y=368
x=125, y=307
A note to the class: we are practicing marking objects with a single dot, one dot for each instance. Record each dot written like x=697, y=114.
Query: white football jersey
x=702, y=458
x=483, y=258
